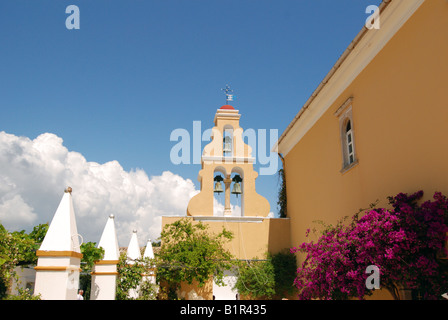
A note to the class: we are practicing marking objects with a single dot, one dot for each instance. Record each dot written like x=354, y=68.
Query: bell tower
x=227, y=167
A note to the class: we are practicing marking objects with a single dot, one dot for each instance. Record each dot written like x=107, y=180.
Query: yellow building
x=377, y=125
x=255, y=234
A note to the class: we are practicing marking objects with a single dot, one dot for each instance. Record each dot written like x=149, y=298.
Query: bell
x=218, y=187
x=236, y=188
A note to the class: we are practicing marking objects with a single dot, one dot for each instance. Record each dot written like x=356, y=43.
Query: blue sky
x=136, y=70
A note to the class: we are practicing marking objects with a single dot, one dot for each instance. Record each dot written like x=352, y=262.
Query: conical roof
x=62, y=234
x=149, y=253
x=109, y=240
x=133, y=252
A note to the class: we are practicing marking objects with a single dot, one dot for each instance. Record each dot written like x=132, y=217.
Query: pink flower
x=403, y=243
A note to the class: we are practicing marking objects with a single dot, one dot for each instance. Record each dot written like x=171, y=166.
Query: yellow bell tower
x=228, y=160
x=227, y=168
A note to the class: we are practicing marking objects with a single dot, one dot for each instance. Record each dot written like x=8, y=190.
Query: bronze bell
x=236, y=188
x=218, y=185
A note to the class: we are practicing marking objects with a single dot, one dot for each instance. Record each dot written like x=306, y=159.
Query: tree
x=256, y=279
x=281, y=202
x=90, y=254
x=285, y=267
x=131, y=277
x=190, y=253
x=423, y=268
x=267, y=278
x=17, y=248
x=404, y=243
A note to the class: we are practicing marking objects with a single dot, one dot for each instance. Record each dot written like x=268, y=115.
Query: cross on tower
x=227, y=90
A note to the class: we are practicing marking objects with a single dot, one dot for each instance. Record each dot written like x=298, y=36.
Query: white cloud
x=34, y=174
x=218, y=208
x=15, y=212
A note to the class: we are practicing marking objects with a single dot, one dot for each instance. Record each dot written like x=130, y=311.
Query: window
x=349, y=143
x=347, y=135
x=227, y=146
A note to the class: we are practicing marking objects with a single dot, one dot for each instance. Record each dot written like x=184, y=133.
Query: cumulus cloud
x=34, y=174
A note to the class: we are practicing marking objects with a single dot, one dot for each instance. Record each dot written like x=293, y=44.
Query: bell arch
x=236, y=161
x=228, y=145
x=237, y=191
x=219, y=174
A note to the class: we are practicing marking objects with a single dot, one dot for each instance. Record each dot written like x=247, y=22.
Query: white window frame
x=349, y=143
x=345, y=115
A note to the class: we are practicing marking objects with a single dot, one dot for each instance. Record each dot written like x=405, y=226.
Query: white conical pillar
x=149, y=253
x=133, y=253
x=104, y=275
x=59, y=256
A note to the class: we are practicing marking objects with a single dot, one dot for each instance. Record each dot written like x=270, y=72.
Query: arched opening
x=227, y=147
x=218, y=191
x=237, y=192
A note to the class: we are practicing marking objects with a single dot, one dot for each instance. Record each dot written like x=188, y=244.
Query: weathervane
x=227, y=90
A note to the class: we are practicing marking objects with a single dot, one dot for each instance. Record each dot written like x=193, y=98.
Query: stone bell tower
x=228, y=160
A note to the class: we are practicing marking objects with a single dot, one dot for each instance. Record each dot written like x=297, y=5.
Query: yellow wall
x=400, y=115
x=253, y=204
x=251, y=239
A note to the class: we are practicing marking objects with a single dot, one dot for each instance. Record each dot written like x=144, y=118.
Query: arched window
x=349, y=143
x=227, y=147
x=237, y=191
x=347, y=134
x=219, y=191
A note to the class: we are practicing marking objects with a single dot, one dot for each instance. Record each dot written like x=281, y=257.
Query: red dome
x=228, y=107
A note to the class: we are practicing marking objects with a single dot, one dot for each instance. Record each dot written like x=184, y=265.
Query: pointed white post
x=104, y=275
x=133, y=253
x=59, y=256
x=149, y=253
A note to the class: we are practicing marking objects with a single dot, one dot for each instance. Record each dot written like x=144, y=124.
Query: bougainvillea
x=404, y=243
